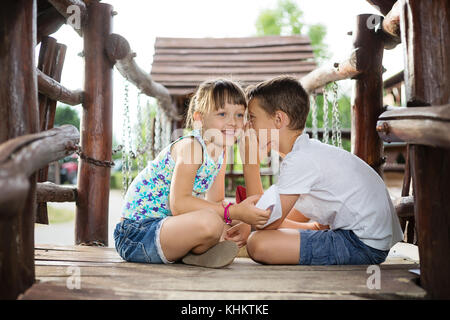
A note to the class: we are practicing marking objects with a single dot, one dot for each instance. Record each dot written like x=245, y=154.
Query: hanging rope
x=157, y=138
x=140, y=150
x=126, y=141
x=325, y=137
x=315, y=133
x=336, y=136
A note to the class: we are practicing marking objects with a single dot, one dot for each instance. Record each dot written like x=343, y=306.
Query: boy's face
x=263, y=124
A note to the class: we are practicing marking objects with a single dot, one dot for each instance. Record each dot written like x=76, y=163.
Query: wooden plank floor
x=104, y=275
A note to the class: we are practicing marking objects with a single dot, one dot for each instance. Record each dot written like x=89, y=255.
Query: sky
x=141, y=21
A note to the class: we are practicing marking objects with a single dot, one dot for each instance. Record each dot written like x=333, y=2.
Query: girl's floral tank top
x=148, y=194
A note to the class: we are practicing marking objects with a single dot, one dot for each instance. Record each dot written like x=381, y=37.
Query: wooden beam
x=384, y=6
x=394, y=80
x=19, y=114
x=96, y=130
x=428, y=126
x=119, y=52
x=48, y=22
x=50, y=192
x=391, y=26
x=55, y=91
x=63, y=8
x=404, y=206
x=320, y=77
x=426, y=46
x=367, y=102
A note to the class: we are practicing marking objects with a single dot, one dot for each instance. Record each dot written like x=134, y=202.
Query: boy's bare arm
x=290, y=224
x=287, y=204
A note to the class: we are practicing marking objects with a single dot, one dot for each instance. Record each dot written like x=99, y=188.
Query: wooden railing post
x=96, y=130
x=367, y=100
x=19, y=116
x=426, y=38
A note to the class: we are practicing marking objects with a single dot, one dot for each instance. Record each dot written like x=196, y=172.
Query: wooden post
x=51, y=61
x=426, y=38
x=96, y=130
x=367, y=97
x=19, y=114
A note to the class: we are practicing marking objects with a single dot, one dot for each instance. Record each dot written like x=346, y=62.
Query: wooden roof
x=181, y=64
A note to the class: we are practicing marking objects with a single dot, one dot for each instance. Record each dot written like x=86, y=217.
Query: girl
x=164, y=217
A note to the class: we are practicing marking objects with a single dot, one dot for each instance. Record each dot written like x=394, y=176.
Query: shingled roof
x=181, y=64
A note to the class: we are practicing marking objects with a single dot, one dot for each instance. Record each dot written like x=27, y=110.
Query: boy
x=319, y=182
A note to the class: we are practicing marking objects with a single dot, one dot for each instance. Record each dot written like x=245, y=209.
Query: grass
x=58, y=215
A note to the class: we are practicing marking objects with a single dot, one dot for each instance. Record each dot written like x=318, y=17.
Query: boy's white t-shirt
x=339, y=189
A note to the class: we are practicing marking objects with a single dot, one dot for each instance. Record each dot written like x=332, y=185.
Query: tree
x=66, y=114
x=285, y=19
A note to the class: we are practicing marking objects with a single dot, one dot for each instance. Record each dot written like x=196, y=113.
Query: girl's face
x=223, y=126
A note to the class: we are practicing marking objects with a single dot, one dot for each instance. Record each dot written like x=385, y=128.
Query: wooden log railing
x=55, y=91
x=120, y=54
x=50, y=192
x=22, y=156
x=428, y=126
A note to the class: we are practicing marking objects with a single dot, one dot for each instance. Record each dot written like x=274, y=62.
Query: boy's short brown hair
x=283, y=93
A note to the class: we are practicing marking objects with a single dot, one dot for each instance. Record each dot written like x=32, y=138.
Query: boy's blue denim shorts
x=329, y=247
x=138, y=241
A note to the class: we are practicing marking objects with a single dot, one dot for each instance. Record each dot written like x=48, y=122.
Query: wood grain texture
x=96, y=129
x=104, y=275
x=426, y=37
x=367, y=100
x=19, y=114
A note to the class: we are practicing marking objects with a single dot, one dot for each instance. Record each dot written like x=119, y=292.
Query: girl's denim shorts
x=329, y=247
x=138, y=241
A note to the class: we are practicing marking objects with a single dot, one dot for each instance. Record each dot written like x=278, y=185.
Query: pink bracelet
x=226, y=213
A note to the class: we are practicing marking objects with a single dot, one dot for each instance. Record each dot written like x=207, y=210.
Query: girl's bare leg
x=195, y=232
x=281, y=246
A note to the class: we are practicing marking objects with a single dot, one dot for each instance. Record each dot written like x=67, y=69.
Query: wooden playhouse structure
x=28, y=143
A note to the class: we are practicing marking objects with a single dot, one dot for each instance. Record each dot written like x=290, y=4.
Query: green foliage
x=286, y=19
x=66, y=114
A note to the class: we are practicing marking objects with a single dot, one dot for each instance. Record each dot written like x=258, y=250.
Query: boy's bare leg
x=280, y=246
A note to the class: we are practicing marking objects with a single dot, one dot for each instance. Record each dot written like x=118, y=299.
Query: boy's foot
x=218, y=256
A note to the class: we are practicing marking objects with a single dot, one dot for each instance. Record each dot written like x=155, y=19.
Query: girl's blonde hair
x=212, y=95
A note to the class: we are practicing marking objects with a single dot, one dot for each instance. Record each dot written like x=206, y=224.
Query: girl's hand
x=238, y=233
x=247, y=212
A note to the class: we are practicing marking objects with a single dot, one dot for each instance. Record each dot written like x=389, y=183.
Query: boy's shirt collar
x=300, y=141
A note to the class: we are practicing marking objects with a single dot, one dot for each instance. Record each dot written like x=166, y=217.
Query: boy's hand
x=239, y=234
x=248, y=145
x=248, y=213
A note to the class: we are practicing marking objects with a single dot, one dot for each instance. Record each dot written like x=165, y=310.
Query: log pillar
x=426, y=37
x=51, y=61
x=19, y=116
x=367, y=99
x=96, y=130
